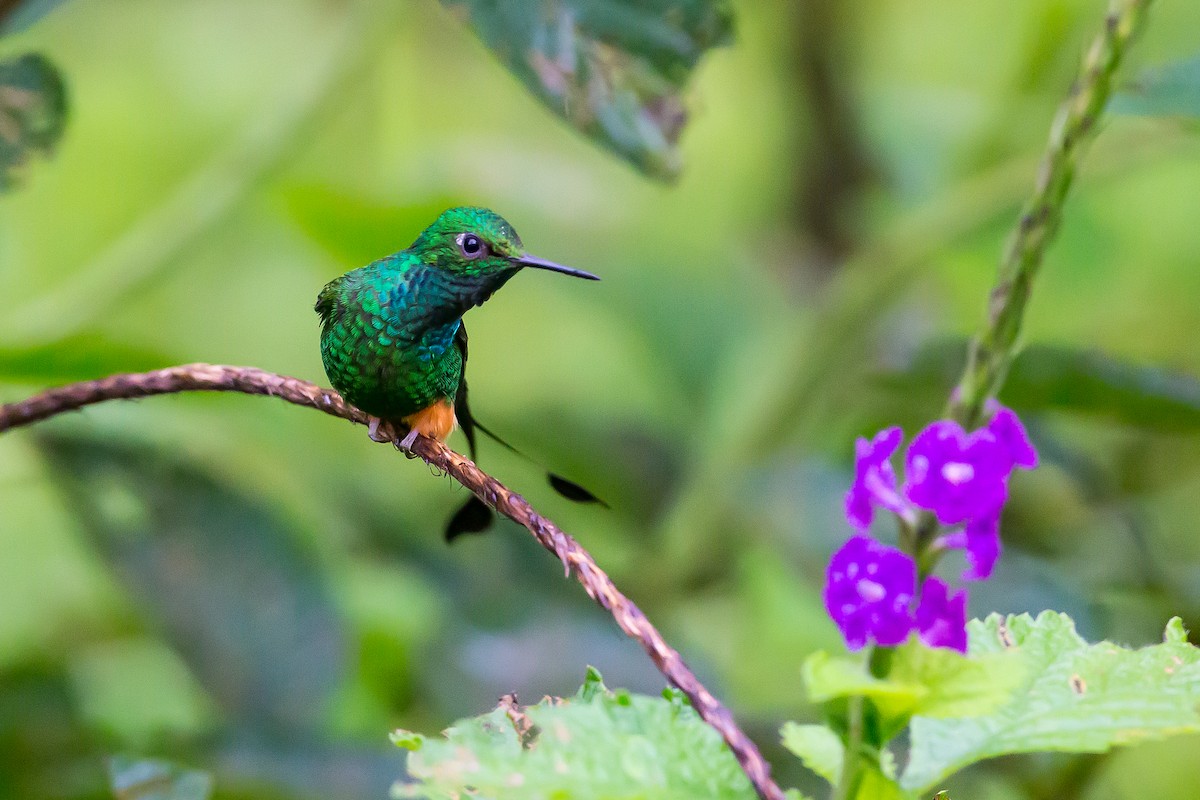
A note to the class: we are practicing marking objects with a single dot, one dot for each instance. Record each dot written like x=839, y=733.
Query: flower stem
x=1075, y=124
x=848, y=781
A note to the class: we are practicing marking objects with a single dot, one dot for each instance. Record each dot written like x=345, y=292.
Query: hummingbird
x=393, y=340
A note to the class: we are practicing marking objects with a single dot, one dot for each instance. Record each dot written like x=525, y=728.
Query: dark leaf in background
x=1172, y=90
x=1064, y=379
x=33, y=112
x=615, y=69
x=1089, y=382
x=149, y=779
x=17, y=15
x=230, y=586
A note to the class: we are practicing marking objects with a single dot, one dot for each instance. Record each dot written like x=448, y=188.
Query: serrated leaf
x=597, y=745
x=818, y=748
x=614, y=69
x=33, y=113
x=1074, y=697
x=1169, y=90
x=407, y=740
x=152, y=779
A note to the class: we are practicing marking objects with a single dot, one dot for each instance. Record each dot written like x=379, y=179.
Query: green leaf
x=874, y=785
x=1169, y=90
x=33, y=113
x=236, y=594
x=1073, y=697
x=150, y=779
x=829, y=677
x=817, y=746
x=955, y=685
x=934, y=682
x=615, y=69
x=598, y=745
x=406, y=739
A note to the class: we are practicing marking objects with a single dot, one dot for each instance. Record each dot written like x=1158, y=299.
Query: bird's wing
x=328, y=302
x=461, y=408
x=474, y=516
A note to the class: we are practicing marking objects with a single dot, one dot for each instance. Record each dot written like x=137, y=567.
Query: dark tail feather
x=572, y=490
x=474, y=516
x=568, y=489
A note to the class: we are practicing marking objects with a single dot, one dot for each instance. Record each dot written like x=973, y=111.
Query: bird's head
x=477, y=244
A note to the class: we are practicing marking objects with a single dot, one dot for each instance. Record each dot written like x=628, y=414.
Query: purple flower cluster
x=962, y=479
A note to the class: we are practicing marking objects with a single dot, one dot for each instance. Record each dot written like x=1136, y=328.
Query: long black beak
x=539, y=263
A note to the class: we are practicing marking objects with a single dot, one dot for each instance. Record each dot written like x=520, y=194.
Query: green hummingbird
x=393, y=341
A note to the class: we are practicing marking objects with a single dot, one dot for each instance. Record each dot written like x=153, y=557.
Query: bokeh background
x=261, y=593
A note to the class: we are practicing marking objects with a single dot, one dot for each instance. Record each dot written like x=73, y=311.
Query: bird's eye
x=471, y=245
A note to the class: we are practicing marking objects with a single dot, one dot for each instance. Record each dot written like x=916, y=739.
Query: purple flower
x=868, y=590
x=942, y=617
x=1006, y=426
x=874, y=479
x=956, y=475
x=982, y=546
x=980, y=539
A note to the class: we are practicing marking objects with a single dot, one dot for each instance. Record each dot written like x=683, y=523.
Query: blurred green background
x=262, y=593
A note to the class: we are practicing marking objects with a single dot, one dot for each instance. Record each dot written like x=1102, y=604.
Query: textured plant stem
x=576, y=560
x=1075, y=124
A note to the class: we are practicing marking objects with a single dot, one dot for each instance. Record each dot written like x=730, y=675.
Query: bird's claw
x=376, y=434
x=407, y=442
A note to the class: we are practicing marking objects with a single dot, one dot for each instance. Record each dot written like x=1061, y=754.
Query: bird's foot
x=407, y=442
x=377, y=435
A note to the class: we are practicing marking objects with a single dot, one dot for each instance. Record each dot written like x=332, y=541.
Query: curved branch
x=248, y=380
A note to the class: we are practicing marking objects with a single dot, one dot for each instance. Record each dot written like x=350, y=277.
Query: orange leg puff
x=436, y=421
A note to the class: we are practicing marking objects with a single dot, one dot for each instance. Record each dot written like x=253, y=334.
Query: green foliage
x=615, y=69
x=1062, y=379
x=932, y=682
x=874, y=785
x=715, y=381
x=818, y=747
x=597, y=745
x=16, y=15
x=1172, y=90
x=275, y=664
x=1073, y=697
x=33, y=113
x=150, y=779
